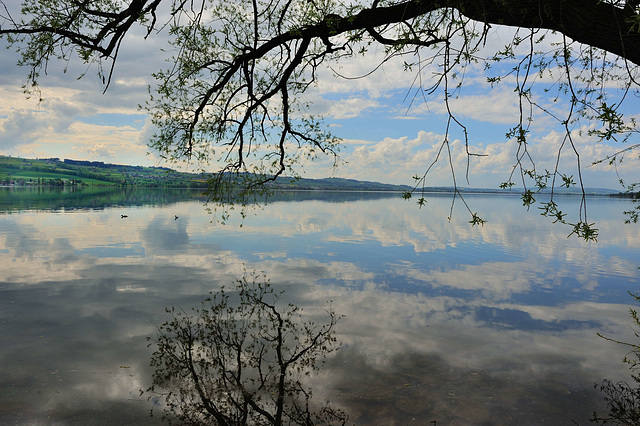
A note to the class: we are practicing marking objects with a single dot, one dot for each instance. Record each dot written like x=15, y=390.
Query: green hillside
x=56, y=172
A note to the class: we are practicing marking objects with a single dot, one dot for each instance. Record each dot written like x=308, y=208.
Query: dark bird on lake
x=122, y=216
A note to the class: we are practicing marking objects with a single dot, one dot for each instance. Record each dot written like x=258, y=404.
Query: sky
x=389, y=131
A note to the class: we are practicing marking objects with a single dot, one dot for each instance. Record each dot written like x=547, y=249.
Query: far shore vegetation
x=57, y=172
x=15, y=171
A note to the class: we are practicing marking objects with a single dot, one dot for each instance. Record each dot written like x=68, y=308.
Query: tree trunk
x=590, y=22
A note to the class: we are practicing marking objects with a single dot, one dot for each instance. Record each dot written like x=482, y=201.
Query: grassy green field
x=26, y=175
x=21, y=171
x=52, y=171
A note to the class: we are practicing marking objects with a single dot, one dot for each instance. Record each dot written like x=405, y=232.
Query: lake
x=442, y=321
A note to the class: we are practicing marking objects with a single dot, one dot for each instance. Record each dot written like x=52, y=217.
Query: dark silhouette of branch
x=241, y=364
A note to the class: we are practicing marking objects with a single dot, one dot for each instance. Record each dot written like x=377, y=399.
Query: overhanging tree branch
x=234, y=93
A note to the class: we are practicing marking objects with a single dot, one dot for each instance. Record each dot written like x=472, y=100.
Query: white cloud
x=21, y=127
x=496, y=106
x=365, y=74
x=350, y=108
x=370, y=90
x=398, y=159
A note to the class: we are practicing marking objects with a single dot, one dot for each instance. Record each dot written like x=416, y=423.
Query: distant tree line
x=7, y=180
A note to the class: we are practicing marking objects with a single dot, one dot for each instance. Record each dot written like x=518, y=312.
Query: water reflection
x=19, y=198
x=443, y=321
x=242, y=357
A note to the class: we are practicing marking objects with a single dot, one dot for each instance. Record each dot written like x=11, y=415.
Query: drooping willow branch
x=234, y=94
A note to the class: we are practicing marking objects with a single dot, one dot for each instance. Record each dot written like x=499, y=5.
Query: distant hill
x=519, y=191
x=334, y=184
x=56, y=172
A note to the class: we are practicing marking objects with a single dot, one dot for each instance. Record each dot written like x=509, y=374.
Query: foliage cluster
x=235, y=92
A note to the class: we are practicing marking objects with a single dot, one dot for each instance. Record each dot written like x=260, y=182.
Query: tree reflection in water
x=623, y=399
x=241, y=363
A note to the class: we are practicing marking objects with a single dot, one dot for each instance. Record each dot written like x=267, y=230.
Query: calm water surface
x=442, y=321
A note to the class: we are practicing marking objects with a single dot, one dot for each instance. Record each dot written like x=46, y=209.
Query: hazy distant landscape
x=56, y=172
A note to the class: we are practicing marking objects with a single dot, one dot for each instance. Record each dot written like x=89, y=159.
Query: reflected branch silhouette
x=623, y=399
x=240, y=359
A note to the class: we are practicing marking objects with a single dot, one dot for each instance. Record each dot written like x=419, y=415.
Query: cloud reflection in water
x=443, y=321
